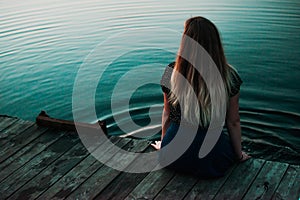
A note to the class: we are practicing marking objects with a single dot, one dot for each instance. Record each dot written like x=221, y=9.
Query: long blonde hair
x=206, y=34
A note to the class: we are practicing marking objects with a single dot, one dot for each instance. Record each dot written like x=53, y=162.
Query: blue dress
x=215, y=163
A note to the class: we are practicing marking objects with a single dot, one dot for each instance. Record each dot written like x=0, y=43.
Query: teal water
x=45, y=44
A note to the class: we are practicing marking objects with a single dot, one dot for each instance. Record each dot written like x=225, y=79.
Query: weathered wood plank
x=36, y=165
x=52, y=173
x=6, y=122
x=178, y=187
x=151, y=185
x=123, y=184
x=28, y=152
x=18, y=127
x=207, y=189
x=73, y=179
x=122, y=160
x=96, y=183
x=267, y=181
x=240, y=180
x=289, y=187
x=20, y=141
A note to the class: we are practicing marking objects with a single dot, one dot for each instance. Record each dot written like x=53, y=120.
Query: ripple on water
x=43, y=44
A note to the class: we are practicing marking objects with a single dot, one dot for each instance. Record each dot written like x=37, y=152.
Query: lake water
x=46, y=44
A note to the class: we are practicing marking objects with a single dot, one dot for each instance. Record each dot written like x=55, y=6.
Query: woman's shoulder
x=172, y=65
x=235, y=80
x=234, y=74
x=166, y=77
x=232, y=69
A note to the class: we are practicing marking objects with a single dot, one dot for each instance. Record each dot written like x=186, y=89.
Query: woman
x=228, y=149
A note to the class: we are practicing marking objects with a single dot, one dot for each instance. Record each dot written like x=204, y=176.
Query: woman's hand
x=244, y=157
x=156, y=145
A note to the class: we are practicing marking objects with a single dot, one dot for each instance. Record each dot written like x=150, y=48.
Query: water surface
x=44, y=44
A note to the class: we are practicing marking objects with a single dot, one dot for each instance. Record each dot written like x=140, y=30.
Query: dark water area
x=120, y=48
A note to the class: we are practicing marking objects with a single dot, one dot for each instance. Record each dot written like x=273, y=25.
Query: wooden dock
x=42, y=163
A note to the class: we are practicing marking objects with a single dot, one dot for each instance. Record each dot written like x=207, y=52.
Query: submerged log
x=43, y=119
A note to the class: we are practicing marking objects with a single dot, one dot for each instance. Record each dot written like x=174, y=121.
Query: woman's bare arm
x=165, y=117
x=234, y=127
x=165, y=122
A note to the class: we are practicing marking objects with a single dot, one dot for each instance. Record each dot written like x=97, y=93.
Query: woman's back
x=188, y=109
